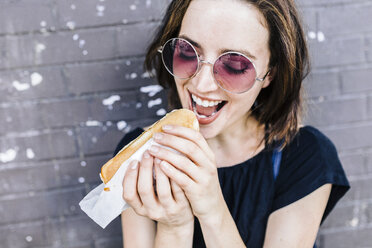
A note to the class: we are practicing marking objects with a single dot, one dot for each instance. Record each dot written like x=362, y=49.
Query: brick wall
x=71, y=85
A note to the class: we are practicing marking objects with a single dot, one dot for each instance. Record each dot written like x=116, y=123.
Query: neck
x=239, y=143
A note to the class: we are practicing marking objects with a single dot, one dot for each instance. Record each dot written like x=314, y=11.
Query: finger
x=181, y=162
x=130, y=194
x=178, y=176
x=190, y=134
x=186, y=147
x=178, y=194
x=163, y=187
x=145, y=185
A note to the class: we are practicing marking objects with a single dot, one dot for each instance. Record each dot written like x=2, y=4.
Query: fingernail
x=154, y=149
x=158, y=136
x=134, y=165
x=167, y=127
x=146, y=154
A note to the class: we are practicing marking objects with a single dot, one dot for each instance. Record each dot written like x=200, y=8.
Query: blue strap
x=276, y=158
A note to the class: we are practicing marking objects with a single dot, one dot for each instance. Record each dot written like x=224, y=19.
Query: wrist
x=180, y=230
x=215, y=216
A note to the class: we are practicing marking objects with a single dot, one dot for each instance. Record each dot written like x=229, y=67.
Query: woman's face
x=217, y=27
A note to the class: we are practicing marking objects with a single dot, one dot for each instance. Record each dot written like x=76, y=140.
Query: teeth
x=204, y=103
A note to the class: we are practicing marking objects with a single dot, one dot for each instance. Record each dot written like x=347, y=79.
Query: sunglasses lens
x=234, y=72
x=180, y=58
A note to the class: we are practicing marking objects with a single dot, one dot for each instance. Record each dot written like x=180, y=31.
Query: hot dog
x=181, y=117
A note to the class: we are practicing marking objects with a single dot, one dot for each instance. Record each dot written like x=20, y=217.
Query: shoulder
x=310, y=135
x=309, y=162
x=128, y=137
x=309, y=141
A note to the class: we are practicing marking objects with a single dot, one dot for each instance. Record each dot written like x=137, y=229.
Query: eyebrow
x=224, y=50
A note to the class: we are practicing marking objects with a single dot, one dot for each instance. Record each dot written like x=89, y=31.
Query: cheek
x=246, y=100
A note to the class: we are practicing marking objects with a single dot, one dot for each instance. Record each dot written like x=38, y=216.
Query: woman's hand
x=194, y=170
x=168, y=204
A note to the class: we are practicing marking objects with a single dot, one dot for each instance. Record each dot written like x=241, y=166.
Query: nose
x=204, y=80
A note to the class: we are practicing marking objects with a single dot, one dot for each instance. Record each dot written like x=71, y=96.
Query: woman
x=252, y=176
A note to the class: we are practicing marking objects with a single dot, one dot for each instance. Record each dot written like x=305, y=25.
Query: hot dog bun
x=181, y=117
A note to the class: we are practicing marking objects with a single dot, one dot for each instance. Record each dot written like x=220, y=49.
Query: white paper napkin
x=104, y=206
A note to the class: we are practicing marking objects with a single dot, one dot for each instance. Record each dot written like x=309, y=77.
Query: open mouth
x=205, y=109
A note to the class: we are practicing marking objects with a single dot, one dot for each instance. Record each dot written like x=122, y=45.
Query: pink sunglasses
x=233, y=71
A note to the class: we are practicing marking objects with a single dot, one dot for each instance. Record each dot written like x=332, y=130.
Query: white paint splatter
x=9, y=119
x=81, y=43
x=155, y=102
x=161, y=112
x=29, y=239
x=70, y=133
x=111, y=100
x=354, y=222
x=83, y=163
x=127, y=129
x=94, y=139
x=109, y=123
x=71, y=25
x=121, y=125
x=81, y=180
x=133, y=75
x=36, y=79
x=8, y=156
x=85, y=52
x=138, y=105
x=39, y=47
x=93, y=124
x=124, y=21
x=128, y=62
x=133, y=7
x=19, y=86
x=100, y=8
x=30, y=153
x=311, y=35
x=43, y=23
x=145, y=75
x=321, y=36
x=152, y=90
x=73, y=6
x=75, y=37
x=148, y=3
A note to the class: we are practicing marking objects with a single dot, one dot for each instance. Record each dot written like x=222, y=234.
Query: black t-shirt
x=252, y=193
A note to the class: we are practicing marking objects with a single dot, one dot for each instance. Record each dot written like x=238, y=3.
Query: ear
x=269, y=77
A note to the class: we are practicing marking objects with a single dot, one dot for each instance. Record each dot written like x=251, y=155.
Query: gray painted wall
x=72, y=84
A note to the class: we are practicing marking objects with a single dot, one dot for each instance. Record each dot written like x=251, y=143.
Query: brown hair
x=279, y=105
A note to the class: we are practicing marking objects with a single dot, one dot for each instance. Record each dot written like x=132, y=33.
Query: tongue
x=207, y=111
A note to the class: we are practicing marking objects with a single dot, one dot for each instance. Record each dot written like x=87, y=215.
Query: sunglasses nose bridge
x=203, y=78
x=201, y=62
x=206, y=62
